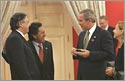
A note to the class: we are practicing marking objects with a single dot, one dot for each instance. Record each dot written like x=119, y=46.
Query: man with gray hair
x=103, y=21
x=94, y=48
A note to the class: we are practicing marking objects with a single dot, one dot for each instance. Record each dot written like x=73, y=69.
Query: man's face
x=25, y=24
x=40, y=37
x=84, y=24
x=103, y=23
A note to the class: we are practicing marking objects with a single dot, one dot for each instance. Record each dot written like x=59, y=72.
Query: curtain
x=8, y=8
x=74, y=7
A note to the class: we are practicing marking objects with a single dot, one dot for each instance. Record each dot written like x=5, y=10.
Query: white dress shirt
x=20, y=32
x=91, y=31
x=106, y=27
x=36, y=46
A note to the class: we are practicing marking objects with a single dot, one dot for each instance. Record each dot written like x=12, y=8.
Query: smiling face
x=40, y=36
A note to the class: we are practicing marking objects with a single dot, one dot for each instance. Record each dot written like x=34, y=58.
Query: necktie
x=86, y=40
x=41, y=54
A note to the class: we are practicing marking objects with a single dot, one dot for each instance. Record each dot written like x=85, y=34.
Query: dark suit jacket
x=47, y=68
x=101, y=49
x=110, y=29
x=20, y=58
x=119, y=62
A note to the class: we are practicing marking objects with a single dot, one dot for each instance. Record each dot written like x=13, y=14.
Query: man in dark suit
x=19, y=55
x=103, y=21
x=95, y=47
x=37, y=38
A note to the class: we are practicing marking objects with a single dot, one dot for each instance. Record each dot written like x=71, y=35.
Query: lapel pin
x=46, y=48
x=94, y=36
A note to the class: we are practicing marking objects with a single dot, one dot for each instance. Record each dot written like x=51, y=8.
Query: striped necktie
x=86, y=40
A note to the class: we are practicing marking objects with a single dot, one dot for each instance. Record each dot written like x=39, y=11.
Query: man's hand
x=73, y=51
x=109, y=71
x=81, y=52
x=85, y=53
x=76, y=52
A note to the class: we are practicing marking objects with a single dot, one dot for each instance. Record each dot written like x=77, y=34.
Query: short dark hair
x=16, y=19
x=33, y=29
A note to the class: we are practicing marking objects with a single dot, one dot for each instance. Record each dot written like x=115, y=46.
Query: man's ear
x=89, y=20
x=34, y=36
x=20, y=24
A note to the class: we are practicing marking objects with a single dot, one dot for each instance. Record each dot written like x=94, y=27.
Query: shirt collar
x=92, y=29
x=36, y=44
x=20, y=32
x=106, y=27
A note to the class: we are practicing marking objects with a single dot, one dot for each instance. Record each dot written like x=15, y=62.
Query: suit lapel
x=93, y=37
x=20, y=35
x=45, y=50
x=34, y=50
x=81, y=40
x=23, y=39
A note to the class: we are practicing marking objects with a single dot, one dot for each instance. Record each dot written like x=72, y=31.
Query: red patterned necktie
x=41, y=54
